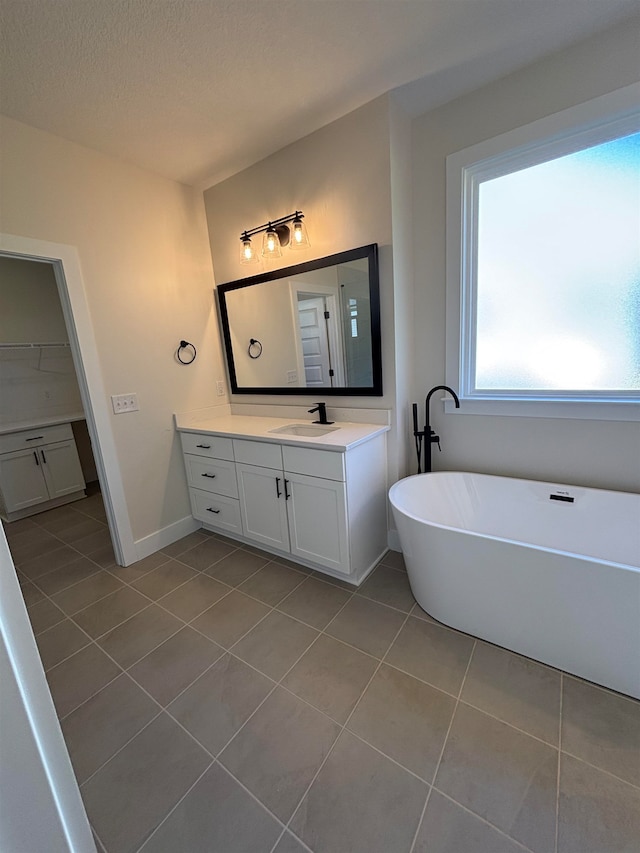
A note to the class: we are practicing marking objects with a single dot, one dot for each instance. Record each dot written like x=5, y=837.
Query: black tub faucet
x=428, y=435
x=321, y=409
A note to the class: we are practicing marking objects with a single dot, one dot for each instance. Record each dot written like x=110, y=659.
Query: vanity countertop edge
x=258, y=428
x=39, y=423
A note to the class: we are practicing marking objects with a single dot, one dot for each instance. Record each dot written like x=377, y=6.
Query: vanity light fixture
x=287, y=231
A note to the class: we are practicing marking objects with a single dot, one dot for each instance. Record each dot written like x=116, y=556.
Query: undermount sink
x=308, y=430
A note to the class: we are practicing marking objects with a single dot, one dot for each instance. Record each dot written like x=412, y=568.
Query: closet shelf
x=34, y=345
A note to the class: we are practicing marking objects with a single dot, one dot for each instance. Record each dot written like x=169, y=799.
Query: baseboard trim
x=165, y=536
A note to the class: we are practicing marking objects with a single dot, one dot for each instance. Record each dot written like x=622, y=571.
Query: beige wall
x=596, y=453
x=30, y=310
x=340, y=177
x=146, y=265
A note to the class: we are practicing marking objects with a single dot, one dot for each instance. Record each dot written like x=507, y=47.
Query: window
x=543, y=266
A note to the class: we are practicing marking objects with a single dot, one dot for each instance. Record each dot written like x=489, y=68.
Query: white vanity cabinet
x=39, y=468
x=323, y=508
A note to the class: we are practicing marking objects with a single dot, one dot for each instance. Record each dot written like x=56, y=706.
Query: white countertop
x=36, y=423
x=258, y=428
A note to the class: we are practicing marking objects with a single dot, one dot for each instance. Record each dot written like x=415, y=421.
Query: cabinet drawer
x=216, y=510
x=258, y=453
x=217, y=475
x=34, y=437
x=207, y=445
x=316, y=463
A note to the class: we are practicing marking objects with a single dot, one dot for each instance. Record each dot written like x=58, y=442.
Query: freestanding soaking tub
x=549, y=571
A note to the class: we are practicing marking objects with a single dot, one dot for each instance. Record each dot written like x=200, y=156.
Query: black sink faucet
x=321, y=408
x=427, y=434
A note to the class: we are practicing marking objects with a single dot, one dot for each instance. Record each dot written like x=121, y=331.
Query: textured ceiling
x=199, y=89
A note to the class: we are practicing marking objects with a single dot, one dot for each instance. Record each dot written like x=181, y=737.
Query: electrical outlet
x=292, y=376
x=220, y=388
x=124, y=403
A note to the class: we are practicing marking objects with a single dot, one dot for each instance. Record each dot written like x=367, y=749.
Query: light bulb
x=299, y=236
x=247, y=252
x=271, y=244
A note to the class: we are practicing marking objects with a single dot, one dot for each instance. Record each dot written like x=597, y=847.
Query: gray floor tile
x=341, y=584
x=67, y=576
x=290, y=564
x=137, y=570
x=448, y=828
x=404, y=718
x=85, y=592
x=395, y=559
x=110, y=611
x=77, y=678
x=103, y=556
x=30, y=593
x=175, y=664
x=43, y=614
x=289, y=844
x=93, y=543
x=331, y=677
x=432, y=653
x=164, y=579
x=13, y=529
x=388, y=586
x=216, y=815
x=59, y=518
x=275, y=644
x=194, y=597
x=272, y=583
x=315, y=602
x=360, y=802
x=516, y=689
x=366, y=625
x=419, y=613
x=185, y=544
x=139, y=635
x=230, y=618
x=279, y=751
x=235, y=567
x=204, y=554
x=132, y=793
x=101, y=726
x=503, y=775
x=60, y=642
x=82, y=527
x=602, y=728
x=35, y=567
x=220, y=701
x=597, y=813
x=32, y=544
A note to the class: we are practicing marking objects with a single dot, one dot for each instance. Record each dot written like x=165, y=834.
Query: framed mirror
x=313, y=326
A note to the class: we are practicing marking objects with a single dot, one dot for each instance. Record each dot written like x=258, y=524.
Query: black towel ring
x=252, y=344
x=183, y=345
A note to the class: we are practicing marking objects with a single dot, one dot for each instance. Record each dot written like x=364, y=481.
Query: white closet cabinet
x=325, y=509
x=39, y=468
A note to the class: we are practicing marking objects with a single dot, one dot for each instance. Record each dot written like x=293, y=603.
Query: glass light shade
x=271, y=244
x=248, y=254
x=299, y=238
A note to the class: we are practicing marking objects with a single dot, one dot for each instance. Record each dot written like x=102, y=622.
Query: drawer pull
x=286, y=491
x=204, y=446
x=278, y=492
x=44, y=458
x=36, y=455
x=216, y=511
x=209, y=476
x=35, y=438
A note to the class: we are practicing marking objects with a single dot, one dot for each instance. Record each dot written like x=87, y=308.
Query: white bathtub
x=549, y=571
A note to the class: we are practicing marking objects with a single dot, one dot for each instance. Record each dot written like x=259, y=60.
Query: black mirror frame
x=371, y=253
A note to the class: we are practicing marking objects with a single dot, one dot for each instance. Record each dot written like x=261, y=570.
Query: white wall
x=29, y=302
x=340, y=177
x=146, y=265
x=592, y=453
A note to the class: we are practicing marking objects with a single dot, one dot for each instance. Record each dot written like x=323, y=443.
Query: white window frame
x=594, y=122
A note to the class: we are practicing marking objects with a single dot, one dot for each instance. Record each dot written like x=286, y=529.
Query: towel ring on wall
x=183, y=345
x=253, y=346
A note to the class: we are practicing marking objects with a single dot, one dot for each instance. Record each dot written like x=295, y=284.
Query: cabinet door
x=61, y=467
x=317, y=512
x=22, y=479
x=264, y=513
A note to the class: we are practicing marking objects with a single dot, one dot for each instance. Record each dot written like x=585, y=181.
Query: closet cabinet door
x=61, y=468
x=317, y=511
x=22, y=479
x=262, y=503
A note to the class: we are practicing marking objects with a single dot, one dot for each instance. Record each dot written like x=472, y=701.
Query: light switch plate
x=124, y=403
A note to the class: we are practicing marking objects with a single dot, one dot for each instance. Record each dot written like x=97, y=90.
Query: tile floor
x=215, y=699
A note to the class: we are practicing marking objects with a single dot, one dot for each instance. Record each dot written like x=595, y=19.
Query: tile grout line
x=444, y=744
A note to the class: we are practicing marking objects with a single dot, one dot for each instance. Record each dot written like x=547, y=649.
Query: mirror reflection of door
x=315, y=342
